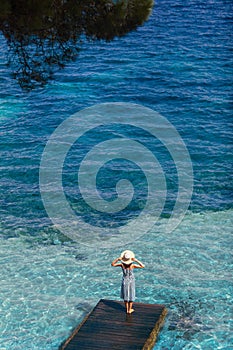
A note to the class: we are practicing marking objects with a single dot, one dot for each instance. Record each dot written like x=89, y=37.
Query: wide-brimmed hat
x=126, y=256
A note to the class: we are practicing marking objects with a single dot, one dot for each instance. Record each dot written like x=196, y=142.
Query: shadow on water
x=45, y=34
x=184, y=318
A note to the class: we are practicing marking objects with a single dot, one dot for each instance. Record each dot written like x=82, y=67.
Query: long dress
x=128, y=285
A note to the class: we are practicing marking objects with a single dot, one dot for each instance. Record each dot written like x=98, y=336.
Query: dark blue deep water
x=179, y=63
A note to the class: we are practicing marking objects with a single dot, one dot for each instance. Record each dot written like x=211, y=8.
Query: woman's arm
x=140, y=265
x=114, y=262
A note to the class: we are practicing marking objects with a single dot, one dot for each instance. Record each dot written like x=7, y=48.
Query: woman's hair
x=126, y=265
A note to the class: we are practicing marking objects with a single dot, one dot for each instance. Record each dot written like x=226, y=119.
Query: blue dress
x=128, y=285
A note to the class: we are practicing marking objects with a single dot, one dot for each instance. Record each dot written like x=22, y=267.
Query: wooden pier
x=108, y=327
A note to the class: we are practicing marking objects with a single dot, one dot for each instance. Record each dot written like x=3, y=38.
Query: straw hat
x=127, y=256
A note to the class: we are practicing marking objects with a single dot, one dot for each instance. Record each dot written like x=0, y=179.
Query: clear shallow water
x=47, y=289
x=179, y=65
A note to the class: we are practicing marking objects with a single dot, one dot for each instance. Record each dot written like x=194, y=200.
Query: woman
x=128, y=262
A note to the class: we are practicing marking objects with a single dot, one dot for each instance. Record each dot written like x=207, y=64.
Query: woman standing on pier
x=128, y=262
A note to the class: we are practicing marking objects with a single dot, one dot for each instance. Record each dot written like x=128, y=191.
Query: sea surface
x=179, y=64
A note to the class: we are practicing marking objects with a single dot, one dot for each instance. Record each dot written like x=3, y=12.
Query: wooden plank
x=107, y=326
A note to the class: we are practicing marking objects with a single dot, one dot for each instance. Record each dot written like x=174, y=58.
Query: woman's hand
x=139, y=263
x=114, y=263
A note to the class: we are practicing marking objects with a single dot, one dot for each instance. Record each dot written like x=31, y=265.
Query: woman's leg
x=126, y=306
x=130, y=307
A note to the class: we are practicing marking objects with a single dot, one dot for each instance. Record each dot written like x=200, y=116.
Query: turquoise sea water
x=179, y=64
